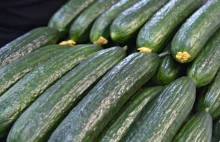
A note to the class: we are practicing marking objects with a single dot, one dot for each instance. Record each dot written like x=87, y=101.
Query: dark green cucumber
x=157, y=30
x=210, y=99
x=207, y=63
x=216, y=129
x=27, y=43
x=57, y=101
x=166, y=115
x=197, y=129
x=101, y=27
x=130, y=20
x=80, y=28
x=92, y=114
x=11, y=73
x=195, y=32
x=168, y=70
x=128, y=114
x=62, y=19
x=15, y=100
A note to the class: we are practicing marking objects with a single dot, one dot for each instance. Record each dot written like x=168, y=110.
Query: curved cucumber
x=166, y=115
x=94, y=112
x=80, y=28
x=156, y=32
x=128, y=114
x=57, y=101
x=197, y=129
x=62, y=19
x=210, y=99
x=11, y=73
x=101, y=27
x=27, y=43
x=195, y=32
x=14, y=101
x=207, y=63
x=130, y=20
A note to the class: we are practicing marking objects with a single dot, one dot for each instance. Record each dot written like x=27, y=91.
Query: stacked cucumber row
x=115, y=71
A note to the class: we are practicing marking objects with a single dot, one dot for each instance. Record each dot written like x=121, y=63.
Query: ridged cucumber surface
x=94, y=112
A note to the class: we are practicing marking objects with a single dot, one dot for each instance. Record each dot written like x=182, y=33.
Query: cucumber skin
x=101, y=27
x=80, y=28
x=197, y=129
x=210, y=99
x=128, y=114
x=206, y=64
x=137, y=68
x=62, y=19
x=206, y=18
x=130, y=20
x=155, y=33
x=27, y=43
x=173, y=105
x=35, y=82
x=55, y=103
x=216, y=129
x=11, y=73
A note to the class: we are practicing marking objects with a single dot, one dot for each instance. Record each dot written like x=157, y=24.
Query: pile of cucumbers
x=115, y=71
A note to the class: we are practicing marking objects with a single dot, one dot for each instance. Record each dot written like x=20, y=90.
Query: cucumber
x=196, y=31
x=216, y=129
x=210, y=99
x=168, y=70
x=58, y=100
x=128, y=114
x=27, y=43
x=11, y=73
x=130, y=20
x=91, y=115
x=156, y=32
x=62, y=19
x=80, y=28
x=197, y=129
x=166, y=115
x=101, y=28
x=206, y=64
x=14, y=101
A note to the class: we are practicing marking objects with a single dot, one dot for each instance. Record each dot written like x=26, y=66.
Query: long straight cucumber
x=94, y=112
x=27, y=43
x=100, y=31
x=14, y=101
x=196, y=31
x=156, y=32
x=57, y=101
x=197, y=129
x=207, y=63
x=80, y=28
x=166, y=115
x=11, y=73
x=62, y=19
x=130, y=20
x=128, y=114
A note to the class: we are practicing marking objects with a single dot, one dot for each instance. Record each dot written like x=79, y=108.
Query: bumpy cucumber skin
x=166, y=115
x=197, y=129
x=210, y=99
x=14, y=101
x=57, y=101
x=130, y=20
x=80, y=28
x=128, y=114
x=207, y=63
x=11, y=73
x=27, y=43
x=156, y=31
x=196, y=31
x=88, y=119
x=62, y=19
x=101, y=27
